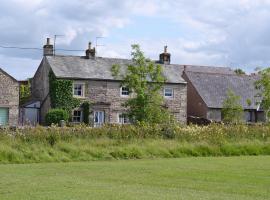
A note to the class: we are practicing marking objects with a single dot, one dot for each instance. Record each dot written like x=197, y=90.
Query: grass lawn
x=186, y=178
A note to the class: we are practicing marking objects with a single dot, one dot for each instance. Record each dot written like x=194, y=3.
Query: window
x=78, y=89
x=124, y=91
x=77, y=116
x=123, y=119
x=99, y=118
x=168, y=92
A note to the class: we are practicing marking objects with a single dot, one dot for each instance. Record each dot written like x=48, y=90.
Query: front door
x=99, y=118
x=3, y=116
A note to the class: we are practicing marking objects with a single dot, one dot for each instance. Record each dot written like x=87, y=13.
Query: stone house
x=207, y=90
x=9, y=100
x=93, y=81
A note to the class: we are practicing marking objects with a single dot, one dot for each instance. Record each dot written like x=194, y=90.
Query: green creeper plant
x=86, y=111
x=61, y=93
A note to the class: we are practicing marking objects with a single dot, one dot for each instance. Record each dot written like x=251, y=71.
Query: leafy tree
x=263, y=86
x=232, y=111
x=145, y=80
x=25, y=92
x=239, y=71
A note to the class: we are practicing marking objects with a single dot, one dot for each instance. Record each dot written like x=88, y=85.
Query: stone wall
x=105, y=96
x=9, y=97
x=40, y=88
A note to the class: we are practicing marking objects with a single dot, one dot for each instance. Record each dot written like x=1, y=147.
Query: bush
x=54, y=116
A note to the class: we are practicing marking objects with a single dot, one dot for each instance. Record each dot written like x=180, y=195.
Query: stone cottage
x=207, y=91
x=9, y=100
x=93, y=81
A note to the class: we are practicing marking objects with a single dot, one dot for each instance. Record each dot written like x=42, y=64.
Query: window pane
x=78, y=89
x=168, y=92
x=125, y=91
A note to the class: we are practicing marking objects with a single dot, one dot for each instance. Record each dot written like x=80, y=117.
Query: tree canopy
x=232, y=111
x=144, y=79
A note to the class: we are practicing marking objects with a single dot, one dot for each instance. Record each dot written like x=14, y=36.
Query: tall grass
x=81, y=143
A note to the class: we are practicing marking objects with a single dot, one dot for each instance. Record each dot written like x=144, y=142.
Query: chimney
x=90, y=52
x=165, y=57
x=48, y=48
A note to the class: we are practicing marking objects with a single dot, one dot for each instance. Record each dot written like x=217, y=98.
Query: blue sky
x=232, y=33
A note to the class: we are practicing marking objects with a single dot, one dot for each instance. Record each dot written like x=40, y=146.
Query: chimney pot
x=89, y=45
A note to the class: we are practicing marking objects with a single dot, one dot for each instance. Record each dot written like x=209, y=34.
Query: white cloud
x=222, y=32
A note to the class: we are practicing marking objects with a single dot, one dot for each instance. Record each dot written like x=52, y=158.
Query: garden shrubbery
x=54, y=116
x=80, y=142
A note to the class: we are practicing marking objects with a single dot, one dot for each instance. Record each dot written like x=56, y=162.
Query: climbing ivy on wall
x=86, y=111
x=61, y=93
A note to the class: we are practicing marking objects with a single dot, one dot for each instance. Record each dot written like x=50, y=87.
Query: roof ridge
x=219, y=73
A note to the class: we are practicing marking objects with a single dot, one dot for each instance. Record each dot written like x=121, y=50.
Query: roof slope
x=213, y=88
x=77, y=67
x=4, y=72
x=207, y=69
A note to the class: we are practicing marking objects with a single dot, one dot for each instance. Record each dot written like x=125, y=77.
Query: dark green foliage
x=232, y=111
x=263, y=86
x=86, y=111
x=239, y=71
x=25, y=92
x=61, y=93
x=54, y=116
x=145, y=79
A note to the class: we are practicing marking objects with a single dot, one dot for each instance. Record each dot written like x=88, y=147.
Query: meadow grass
x=193, y=178
x=83, y=143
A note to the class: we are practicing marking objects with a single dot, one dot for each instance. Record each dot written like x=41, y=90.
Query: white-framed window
x=168, y=92
x=124, y=91
x=78, y=89
x=99, y=118
x=77, y=116
x=123, y=118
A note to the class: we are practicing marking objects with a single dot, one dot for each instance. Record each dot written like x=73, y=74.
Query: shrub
x=54, y=116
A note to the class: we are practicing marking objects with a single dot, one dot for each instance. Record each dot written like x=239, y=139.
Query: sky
x=233, y=33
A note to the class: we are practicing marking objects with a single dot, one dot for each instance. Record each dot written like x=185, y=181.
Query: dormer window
x=124, y=91
x=78, y=89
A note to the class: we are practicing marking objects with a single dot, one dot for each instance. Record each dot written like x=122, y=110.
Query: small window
x=123, y=119
x=124, y=91
x=168, y=92
x=78, y=89
x=77, y=116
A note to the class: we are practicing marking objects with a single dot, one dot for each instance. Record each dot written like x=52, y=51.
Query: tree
x=25, y=92
x=239, y=71
x=232, y=111
x=263, y=87
x=144, y=79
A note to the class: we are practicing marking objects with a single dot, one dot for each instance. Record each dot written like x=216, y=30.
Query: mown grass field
x=246, y=178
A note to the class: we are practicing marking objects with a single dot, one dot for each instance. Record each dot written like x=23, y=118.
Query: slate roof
x=213, y=88
x=207, y=69
x=76, y=67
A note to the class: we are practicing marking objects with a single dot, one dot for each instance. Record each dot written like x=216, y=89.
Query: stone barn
x=9, y=100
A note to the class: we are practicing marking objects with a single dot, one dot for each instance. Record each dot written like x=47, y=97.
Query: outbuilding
x=9, y=100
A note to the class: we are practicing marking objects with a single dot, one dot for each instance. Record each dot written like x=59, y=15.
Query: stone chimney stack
x=165, y=57
x=48, y=48
x=90, y=52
